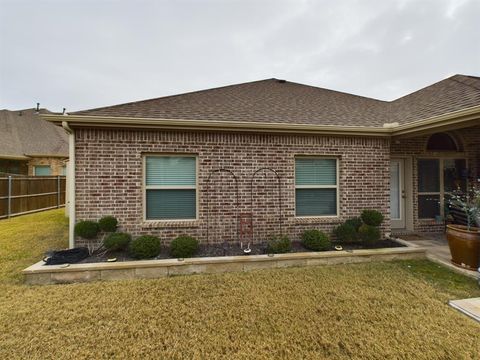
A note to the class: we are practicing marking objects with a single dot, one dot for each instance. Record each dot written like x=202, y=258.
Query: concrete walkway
x=437, y=250
x=470, y=307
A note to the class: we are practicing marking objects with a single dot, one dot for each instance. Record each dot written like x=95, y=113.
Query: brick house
x=289, y=156
x=31, y=146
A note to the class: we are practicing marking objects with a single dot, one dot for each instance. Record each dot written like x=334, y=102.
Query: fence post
x=58, y=191
x=9, y=197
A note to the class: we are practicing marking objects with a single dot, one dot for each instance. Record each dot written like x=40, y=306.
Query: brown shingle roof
x=452, y=94
x=22, y=132
x=277, y=101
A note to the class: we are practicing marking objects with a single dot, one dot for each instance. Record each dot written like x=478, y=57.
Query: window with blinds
x=171, y=187
x=42, y=170
x=316, y=188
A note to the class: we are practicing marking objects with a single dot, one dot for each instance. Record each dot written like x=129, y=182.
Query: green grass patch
x=24, y=240
x=442, y=278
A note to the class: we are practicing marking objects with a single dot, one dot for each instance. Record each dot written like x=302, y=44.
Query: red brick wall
x=415, y=147
x=109, y=179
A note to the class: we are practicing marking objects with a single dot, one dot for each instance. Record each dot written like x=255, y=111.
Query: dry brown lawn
x=368, y=311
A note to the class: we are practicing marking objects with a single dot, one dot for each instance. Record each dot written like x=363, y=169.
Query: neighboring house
x=30, y=145
x=290, y=156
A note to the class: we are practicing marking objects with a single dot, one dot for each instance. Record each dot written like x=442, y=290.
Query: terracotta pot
x=464, y=246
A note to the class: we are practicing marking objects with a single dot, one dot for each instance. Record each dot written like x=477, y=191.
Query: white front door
x=397, y=193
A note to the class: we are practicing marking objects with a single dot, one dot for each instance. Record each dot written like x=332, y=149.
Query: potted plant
x=464, y=240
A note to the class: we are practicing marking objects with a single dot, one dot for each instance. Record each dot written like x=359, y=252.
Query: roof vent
x=281, y=81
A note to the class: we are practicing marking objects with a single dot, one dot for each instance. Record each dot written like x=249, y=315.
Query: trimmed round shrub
x=117, y=241
x=345, y=233
x=278, y=244
x=145, y=247
x=356, y=222
x=87, y=229
x=369, y=233
x=316, y=240
x=183, y=246
x=108, y=224
x=372, y=217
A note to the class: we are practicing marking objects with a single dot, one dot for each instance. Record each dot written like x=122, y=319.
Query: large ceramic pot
x=464, y=246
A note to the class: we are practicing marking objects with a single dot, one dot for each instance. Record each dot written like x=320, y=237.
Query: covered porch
x=426, y=167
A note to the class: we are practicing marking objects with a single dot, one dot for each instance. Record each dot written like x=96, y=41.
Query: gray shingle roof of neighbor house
x=284, y=102
x=23, y=133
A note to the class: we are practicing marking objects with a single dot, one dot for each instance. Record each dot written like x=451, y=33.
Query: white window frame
x=43, y=166
x=168, y=187
x=442, y=192
x=337, y=186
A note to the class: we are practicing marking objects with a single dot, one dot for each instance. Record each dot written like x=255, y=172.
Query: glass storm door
x=397, y=193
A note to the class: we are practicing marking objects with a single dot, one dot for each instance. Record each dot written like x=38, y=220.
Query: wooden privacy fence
x=27, y=194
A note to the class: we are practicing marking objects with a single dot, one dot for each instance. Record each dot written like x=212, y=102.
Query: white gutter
x=46, y=155
x=14, y=157
x=465, y=116
x=214, y=125
x=71, y=184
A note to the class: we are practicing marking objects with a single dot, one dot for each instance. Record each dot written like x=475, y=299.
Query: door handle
x=403, y=194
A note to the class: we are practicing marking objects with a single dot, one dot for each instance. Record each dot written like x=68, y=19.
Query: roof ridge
x=454, y=78
x=172, y=96
x=338, y=92
x=450, y=78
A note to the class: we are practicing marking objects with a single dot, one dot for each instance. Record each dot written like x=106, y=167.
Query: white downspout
x=71, y=184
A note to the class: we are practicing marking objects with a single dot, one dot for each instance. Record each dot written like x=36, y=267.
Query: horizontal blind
x=316, y=202
x=170, y=170
x=171, y=204
x=43, y=170
x=315, y=171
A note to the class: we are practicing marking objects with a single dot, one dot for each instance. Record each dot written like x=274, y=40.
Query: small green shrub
x=117, y=241
x=316, y=240
x=278, y=244
x=346, y=233
x=87, y=229
x=372, y=217
x=183, y=246
x=356, y=222
x=369, y=233
x=145, y=247
x=108, y=224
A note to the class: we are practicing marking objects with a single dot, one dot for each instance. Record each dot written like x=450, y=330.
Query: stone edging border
x=40, y=274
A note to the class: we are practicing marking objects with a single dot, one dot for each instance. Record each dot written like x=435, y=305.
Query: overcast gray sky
x=84, y=54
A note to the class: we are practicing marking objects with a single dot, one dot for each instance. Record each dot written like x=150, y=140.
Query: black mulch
x=209, y=250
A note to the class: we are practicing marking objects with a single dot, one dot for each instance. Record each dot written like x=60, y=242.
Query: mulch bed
x=212, y=250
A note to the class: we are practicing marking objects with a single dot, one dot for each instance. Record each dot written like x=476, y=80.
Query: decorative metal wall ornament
x=280, y=223
x=250, y=231
x=213, y=172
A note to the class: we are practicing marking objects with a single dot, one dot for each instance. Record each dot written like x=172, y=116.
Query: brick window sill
x=149, y=224
x=318, y=219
